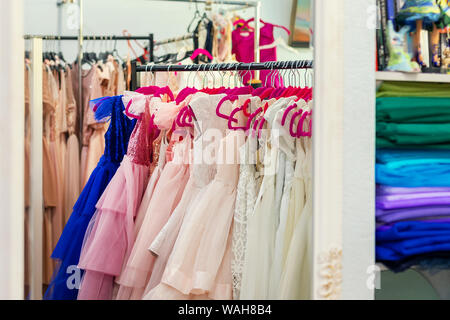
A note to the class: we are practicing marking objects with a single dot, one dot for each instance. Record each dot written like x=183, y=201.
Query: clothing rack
x=256, y=5
x=253, y=66
x=92, y=38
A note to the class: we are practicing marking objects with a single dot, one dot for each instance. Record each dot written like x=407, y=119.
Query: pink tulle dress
x=110, y=234
x=199, y=266
x=202, y=173
x=165, y=198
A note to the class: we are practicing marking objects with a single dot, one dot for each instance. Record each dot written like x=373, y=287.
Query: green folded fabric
x=383, y=143
x=413, y=89
x=413, y=109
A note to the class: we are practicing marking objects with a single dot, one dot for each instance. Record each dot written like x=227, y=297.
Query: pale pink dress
x=199, y=266
x=166, y=196
x=110, y=234
x=202, y=173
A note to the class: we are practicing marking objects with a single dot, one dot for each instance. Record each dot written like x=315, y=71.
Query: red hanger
x=200, y=51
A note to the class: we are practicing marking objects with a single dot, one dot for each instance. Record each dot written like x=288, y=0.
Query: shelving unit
x=416, y=77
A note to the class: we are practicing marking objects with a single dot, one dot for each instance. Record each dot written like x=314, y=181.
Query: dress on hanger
x=110, y=234
x=199, y=266
x=262, y=222
x=296, y=277
x=67, y=251
x=202, y=173
x=166, y=196
x=286, y=143
x=247, y=192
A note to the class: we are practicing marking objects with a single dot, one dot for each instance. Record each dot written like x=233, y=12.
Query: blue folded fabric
x=409, y=238
x=413, y=168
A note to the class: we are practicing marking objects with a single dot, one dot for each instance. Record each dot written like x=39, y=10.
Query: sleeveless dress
x=110, y=234
x=199, y=266
x=67, y=251
x=247, y=191
x=262, y=222
x=286, y=143
x=201, y=175
x=166, y=196
x=295, y=283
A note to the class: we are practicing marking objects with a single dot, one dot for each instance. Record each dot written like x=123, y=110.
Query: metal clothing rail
x=207, y=67
x=92, y=38
x=252, y=66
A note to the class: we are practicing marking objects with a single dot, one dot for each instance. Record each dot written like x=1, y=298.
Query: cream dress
x=296, y=277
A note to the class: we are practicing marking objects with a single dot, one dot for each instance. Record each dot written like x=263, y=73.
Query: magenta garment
x=244, y=49
x=388, y=190
x=412, y=200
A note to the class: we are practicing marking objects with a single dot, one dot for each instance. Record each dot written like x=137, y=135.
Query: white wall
x=139, y=17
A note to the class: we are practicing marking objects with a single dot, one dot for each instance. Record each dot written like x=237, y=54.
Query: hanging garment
x=244, y=44
x=110, y=234
x=67, y=251
x=295, y=283
x=166, y=196
x=200, y=263
x=263, y=221
x=202, y=173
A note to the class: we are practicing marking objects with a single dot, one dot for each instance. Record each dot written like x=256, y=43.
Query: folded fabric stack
x=413, y=175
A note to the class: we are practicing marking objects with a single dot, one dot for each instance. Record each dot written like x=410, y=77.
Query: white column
x=344, y=145
x=12, y=150
x=36, y=183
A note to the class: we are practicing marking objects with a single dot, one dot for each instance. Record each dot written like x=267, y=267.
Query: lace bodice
x=139, y=147
x=120, y=127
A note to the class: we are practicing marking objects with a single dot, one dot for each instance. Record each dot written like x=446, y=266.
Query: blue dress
x=67, y=277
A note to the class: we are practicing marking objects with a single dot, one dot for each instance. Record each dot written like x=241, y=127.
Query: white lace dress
x=262, y=222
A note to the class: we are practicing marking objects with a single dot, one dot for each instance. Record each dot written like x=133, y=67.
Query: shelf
x=415, y=77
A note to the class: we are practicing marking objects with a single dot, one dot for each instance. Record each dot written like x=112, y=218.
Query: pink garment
x=200, y=263
x=166, y=196
x=203, y=171
x=110, y=233
x=244, y=49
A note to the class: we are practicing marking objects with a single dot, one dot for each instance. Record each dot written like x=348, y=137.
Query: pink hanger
x=148, y=90
x=294, y=116
x=233, y=119
x=130, y=114
x=165, y=90
x=200, y=51
x=300, y=131
x=252, y=116
x=286, y=112
x=227, y=98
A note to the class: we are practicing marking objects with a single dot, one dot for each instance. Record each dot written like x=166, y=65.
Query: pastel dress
x=201, y=174
x=67, y=252
x=286, y=144
x=108, y=240
x=262, y=222
x=295, y=283
x=199, y=266
x=247, y=192
x=166, y=196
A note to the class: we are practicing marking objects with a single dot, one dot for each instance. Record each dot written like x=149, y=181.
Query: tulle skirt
x=110, y=234
x=166, y=196
x=68, y=248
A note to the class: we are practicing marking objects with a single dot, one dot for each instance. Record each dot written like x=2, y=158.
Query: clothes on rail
x=243, y=45
x=412, y=172
x=200, y=207
x=68, y=248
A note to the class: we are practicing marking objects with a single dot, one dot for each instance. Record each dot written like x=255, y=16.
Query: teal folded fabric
x=414, y=133
x=413, y=110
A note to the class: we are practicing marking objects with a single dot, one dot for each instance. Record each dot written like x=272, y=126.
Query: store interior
x=225, y=150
